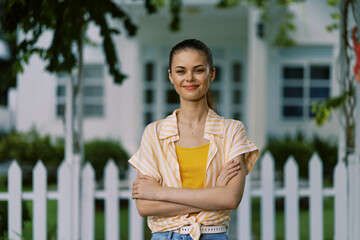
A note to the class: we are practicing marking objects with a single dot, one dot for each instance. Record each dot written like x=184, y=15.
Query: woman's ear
x=170, y=77
x=212, y=74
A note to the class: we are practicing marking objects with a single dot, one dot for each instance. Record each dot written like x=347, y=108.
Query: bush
x=302, y=150
x=28, y=148
x=98, y=152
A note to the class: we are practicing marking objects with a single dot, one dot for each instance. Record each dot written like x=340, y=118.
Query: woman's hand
x=230, y=170
x=145, y=187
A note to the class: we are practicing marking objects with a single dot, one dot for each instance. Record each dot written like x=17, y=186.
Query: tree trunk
x=80, y=97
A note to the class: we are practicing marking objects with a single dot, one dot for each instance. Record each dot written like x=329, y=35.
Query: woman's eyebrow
x=200, y=65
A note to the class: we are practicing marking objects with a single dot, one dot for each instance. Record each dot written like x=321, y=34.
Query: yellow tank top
x=192, y=163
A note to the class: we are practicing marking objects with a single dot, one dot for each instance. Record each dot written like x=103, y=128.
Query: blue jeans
x=176, y=236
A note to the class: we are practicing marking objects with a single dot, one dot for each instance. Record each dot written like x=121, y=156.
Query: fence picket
x=244, y=214
x=136, y=221
x=291, y=200
x=87, y=202
x=111, y=201
x=268, y=200
x=64, y=202
x=341, y=202
x=40, y=203
x=316, y=198
x=14, y=206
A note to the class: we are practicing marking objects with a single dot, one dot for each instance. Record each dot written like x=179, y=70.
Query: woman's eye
x=180, y=72
x=199, y=70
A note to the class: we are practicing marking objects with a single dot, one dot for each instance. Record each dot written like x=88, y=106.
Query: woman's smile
x=191, y=87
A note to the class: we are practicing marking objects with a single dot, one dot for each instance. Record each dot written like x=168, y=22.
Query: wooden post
x=136, y=221
x=316, y=198
x=14, y=205
x=75, y=196
x=341, y=202
x=64, y=202
x=40, y=201
x=267, y=200
x=88, y=202
x=291, y=199
x=111, y=201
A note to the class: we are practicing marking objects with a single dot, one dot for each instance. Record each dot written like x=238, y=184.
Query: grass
x=99, y=222
x=328, y=221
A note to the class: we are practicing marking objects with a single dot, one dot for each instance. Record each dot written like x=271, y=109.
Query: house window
x=150, y=91
x=303, y=84
x=93, y=91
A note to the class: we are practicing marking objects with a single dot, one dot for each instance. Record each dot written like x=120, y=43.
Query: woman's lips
x=191, y=87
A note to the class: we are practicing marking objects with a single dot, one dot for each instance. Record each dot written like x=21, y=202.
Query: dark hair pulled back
x=194, y=44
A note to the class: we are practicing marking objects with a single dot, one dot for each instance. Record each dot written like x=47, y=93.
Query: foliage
x=66, y=20
x=298, y=147
x=7, y=79
x=302, y=150
x=27, y=148
x=323, y=109
x=286, y=27
x=283, y=38
x=175, y=7
x=98, y=152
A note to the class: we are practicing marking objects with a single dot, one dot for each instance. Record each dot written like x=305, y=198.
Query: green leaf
x=227, y=3
x=335, y=16
x=322, y=110
x=333, y=3
x=175, y=9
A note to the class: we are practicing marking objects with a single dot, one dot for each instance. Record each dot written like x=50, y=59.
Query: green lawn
x=256, y=223
x=304, y=221
x=99, y=222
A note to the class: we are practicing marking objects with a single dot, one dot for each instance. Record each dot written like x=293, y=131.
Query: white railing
x=111, y=194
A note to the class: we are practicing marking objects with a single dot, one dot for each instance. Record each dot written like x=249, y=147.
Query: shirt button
x=208, y=172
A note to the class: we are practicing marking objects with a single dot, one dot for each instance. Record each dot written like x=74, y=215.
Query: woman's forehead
x=189, y=57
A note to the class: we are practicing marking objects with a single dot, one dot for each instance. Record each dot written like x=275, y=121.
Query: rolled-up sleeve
x=240, y=144
x=145, y=159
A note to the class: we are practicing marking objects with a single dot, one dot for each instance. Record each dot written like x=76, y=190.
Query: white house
x=270, y=89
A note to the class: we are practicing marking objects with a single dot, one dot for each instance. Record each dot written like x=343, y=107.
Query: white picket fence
x=268, y=191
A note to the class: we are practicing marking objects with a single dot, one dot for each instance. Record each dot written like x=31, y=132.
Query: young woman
x=192, y=165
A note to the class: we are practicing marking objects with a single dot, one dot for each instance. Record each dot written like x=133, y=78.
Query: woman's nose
x=189, y=76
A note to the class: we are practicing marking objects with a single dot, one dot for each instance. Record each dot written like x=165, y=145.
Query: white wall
x=311, y=20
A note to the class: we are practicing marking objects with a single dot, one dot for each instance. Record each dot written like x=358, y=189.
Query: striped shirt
x=157, y=158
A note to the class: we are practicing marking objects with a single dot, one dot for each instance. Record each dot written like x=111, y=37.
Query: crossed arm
x=155, y=200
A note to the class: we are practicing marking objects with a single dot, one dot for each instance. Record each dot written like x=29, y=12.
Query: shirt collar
x=213, y=125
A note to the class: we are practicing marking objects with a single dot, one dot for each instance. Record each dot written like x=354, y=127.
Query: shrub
x=28, y=148
x=302, y=150
x=98, y=152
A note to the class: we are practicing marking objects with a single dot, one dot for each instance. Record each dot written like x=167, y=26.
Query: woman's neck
x=193, y=113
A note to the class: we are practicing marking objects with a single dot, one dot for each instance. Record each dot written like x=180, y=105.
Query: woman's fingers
x=229, y=171
x=230, y=176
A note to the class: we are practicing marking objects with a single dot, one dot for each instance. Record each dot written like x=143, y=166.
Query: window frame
x=92, y=101
x=306, y=101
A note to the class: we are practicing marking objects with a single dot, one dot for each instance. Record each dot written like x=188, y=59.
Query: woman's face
x=191, y=75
